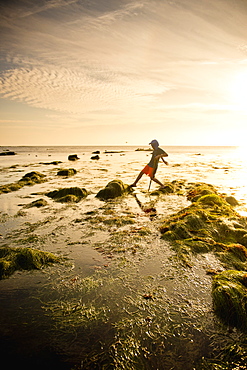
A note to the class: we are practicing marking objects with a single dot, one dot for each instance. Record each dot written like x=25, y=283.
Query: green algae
x=199, y=189
x=67, y=195
x=140, y=334
x=28, y=179
x=111, y=220
x=137, y=327
x=232, y=256
x=113, y=189
x=12, y=259
x=229, y=292
x=231, y=357
x=209, y=224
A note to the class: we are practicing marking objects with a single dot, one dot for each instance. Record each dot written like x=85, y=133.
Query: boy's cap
x=154, y=143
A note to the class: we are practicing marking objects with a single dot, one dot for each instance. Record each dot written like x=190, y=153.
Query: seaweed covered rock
x=232, y=201
x=67, y=172
x=30, y=178
x=73, y=157
x=37, y=203
x=12, y=259
x=7, y=152
x=67, y=195
x=175, y=186
x=95, y=157
x=229, y=292
x=198, y=190
x=209, y=224
x=33, y=178
x=168, y=188
x=113, y=189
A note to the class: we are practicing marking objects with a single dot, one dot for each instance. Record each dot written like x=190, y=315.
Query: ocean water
x=221, y=166
x=98, y=249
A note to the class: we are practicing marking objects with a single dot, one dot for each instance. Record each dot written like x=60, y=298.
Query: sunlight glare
x=238, y=90
x=241, y=152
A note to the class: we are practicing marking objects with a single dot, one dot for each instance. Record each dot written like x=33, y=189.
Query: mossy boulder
x=209, y=224
x=34, y=177
x=4, y=189
x=198, y=190
x=73, y=157
x=30, y=178
x=67, y=172
x=173, y=187
x=37, y=203
x=66, y=195
x=168, y=188
x=113, y=189
x=229, y=292
x=12, y=259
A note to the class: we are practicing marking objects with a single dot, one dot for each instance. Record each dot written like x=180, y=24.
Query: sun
x=238, y=91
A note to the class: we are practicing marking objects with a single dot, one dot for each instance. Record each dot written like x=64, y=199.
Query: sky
x=116, y=72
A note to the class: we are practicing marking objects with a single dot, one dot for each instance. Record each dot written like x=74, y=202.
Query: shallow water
x=143, y=288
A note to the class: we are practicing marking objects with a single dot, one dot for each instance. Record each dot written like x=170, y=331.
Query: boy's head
x=154, y=144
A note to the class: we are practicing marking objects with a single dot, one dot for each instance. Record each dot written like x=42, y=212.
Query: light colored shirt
x=154, y=163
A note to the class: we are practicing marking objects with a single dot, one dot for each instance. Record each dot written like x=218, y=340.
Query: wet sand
x=119, y=284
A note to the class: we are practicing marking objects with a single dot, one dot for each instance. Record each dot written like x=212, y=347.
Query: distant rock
x=96, y=152
x=67, y=195
x=67, y=172
x=73, y=157
x=37, y=203
x=7, y=153
x=54, y=162
x=95, y=157
x=113, y=151
x=113, y=189
x=143, y=150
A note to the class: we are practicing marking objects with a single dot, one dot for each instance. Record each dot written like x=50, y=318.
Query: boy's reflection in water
x=148, y=209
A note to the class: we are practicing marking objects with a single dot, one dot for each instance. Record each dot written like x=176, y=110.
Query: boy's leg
x=157, y=181
x=137, y=179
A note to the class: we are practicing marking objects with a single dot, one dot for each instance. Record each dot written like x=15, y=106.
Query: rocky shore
x=165, y=288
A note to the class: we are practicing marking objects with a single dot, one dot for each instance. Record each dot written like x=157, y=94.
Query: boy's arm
x=164, y=161
x=161, y=156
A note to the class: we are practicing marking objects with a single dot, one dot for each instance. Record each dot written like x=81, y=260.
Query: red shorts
x=148, y=170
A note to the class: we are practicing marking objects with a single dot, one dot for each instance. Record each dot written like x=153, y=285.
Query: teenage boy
x=151, y=168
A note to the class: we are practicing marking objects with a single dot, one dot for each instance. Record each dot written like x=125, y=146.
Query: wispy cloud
x=76, y=91
x=119, y=60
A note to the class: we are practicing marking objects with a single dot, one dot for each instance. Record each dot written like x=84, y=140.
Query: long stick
x=149, y=184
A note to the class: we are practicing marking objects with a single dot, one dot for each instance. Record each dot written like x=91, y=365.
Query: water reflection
x=147, y=208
